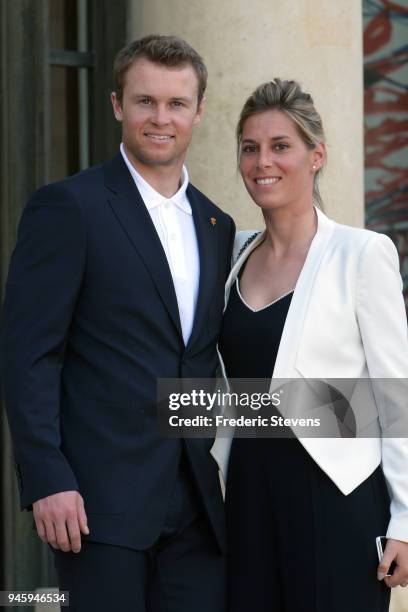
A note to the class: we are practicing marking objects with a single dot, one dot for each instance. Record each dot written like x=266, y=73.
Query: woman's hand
x=397, y=551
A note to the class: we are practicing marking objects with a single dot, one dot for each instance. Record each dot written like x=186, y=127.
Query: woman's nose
x=265, y=159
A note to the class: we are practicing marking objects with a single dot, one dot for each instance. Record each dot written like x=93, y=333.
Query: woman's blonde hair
x=288, y=97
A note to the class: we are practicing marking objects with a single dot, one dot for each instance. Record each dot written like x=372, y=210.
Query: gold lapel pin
x=213, y=220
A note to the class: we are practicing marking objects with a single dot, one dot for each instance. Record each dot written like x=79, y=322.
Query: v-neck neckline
x=262, y=307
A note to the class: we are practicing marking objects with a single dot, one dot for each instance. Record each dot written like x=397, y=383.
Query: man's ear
x=117, y=106
x=200, y=111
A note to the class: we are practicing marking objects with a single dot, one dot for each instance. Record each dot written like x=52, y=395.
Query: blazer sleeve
x=383, y=325
x=44, y=280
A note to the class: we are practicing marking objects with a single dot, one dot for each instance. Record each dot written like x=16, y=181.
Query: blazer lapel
x=240, y=262
x=132, y=214
x=292, y=331
x=207, y=238
x=285, y=365
x=288, y=348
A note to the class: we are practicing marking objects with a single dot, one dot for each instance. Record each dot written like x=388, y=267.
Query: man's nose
x=160, y=115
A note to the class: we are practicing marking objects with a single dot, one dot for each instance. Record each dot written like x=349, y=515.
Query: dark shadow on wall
x=29, y=100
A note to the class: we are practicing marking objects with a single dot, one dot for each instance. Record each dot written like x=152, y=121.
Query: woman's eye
x=281, y=146
x=249, y=149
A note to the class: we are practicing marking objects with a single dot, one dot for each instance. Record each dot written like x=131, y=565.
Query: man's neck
x=166, y=180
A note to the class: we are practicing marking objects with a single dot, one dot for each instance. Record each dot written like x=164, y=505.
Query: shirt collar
x=153, y=198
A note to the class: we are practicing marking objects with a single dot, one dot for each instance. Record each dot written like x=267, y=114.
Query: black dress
x=296, y=543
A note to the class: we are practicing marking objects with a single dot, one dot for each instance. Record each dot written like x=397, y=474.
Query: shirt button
x=167, y=205
x=173, y=237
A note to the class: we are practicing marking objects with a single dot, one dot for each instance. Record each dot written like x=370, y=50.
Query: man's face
x=158, y=112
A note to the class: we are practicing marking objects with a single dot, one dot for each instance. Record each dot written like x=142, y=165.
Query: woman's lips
x=267, y=180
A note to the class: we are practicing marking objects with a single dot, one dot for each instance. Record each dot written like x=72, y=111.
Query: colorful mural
x=386, y=122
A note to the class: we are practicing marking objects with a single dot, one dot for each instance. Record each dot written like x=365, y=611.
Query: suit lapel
x=207, y=238
x=133, y=216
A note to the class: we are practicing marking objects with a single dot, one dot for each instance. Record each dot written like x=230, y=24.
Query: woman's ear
x=318, y=156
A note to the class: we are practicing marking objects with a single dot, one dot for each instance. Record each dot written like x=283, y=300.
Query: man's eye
x=177, y=103
x=145, y=101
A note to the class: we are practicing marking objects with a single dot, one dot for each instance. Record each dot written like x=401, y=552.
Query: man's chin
x=157, y=159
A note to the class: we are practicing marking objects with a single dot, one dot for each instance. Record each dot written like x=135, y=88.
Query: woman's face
x=275, y=164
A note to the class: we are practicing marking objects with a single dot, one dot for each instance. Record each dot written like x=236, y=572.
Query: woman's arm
x=383, y=325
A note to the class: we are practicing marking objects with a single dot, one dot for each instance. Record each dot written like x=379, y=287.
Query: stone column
x=246, y=43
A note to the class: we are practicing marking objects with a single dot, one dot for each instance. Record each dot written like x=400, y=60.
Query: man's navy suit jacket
x=90, y=322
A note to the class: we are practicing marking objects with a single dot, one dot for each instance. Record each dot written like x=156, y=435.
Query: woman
x=309, y=298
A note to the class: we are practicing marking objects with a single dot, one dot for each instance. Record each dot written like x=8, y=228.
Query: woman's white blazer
x=346, y=320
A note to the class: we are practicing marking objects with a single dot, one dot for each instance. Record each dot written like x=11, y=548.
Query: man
x=117, y=280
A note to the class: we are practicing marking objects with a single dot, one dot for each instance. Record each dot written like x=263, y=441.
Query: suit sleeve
x=44, y=280
x=383, y=325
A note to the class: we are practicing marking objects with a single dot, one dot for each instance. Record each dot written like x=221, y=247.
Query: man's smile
x=158, y=137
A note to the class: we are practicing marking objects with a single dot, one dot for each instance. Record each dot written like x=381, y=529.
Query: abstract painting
x=386, y=122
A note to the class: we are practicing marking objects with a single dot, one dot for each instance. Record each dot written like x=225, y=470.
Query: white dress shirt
x=173, y=220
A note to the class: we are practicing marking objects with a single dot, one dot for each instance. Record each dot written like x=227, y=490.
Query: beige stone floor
x=399, y=600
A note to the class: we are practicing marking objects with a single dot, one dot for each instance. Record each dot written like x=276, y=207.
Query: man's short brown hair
x=169, y=51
